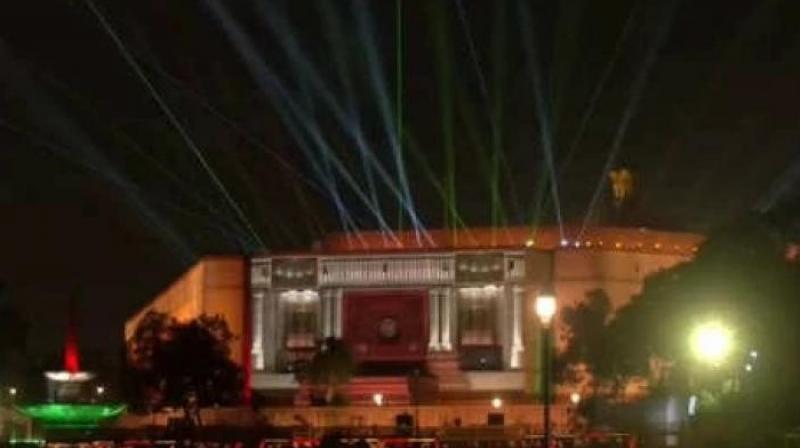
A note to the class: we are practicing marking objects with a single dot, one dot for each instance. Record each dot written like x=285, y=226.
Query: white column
x=434, y=343
x=501, y=301
x=270, y=337
x=337, y=313
x=517, y=347
x=279, y=334
x=257, y=348
x=447, y=310
x=325, y=313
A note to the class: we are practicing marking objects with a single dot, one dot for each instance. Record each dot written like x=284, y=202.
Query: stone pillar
x=449, y=315
x=502, y=330
x=271, y=332
x=517, y=316
x=330, y=311
x=337, y=312
x=279, y=332
x=257, y=348
x=326, y=318
x=434, y=300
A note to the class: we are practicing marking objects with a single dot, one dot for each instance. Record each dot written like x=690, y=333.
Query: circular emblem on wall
x=387, y=328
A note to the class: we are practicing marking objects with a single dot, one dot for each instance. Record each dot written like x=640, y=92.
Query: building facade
x=457, y=306
x=448, y=313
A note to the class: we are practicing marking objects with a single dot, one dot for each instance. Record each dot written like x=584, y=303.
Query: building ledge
x=274, y=381
x=495, y=381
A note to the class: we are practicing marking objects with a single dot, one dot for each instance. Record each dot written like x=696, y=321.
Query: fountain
x=69, y=402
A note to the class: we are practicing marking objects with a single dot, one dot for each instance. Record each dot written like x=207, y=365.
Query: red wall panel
x=386, y=325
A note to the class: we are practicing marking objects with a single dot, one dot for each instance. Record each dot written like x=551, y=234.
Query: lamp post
x=545, y=310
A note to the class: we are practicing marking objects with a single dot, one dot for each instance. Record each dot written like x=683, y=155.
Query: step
x=362, y=390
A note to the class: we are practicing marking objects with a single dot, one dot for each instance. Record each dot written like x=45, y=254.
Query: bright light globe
x=712, y=342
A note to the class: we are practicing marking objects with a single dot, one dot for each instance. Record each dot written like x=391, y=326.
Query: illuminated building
x=457, y=306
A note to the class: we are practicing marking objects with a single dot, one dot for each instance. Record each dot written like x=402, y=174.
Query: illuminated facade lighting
x=64, y=376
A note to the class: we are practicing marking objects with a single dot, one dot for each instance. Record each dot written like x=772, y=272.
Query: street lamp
x=12, y=391
x=545, y=309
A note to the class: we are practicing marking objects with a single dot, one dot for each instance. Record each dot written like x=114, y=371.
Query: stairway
x=444, y=366
x=361, y=390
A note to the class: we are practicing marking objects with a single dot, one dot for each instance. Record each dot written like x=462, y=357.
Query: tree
x=13, y=340
x=331, y=367
x=170, y=361
x=741, y=277
x=598, y=356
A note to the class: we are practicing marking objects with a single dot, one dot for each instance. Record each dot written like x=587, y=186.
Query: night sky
x=138, y=136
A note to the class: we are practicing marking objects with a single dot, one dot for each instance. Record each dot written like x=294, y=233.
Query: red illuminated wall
x=386, y=325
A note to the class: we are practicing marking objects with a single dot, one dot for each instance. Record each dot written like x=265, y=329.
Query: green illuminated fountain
x=67, y=393
x=72, y=415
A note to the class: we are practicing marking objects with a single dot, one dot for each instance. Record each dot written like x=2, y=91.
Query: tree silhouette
x=741, y=277
x=331, y=367
x=13, y=340
x=170, y=361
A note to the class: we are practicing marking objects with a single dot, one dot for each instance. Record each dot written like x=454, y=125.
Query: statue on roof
x=621, y=186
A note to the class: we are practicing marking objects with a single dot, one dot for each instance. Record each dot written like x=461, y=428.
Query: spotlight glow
x=712, y=342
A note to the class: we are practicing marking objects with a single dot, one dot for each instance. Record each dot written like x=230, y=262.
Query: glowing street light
x=100, y=390
x=712, y=343
x=497, y=402
x=575, y=398
x=545, y=308
x=12, y=391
